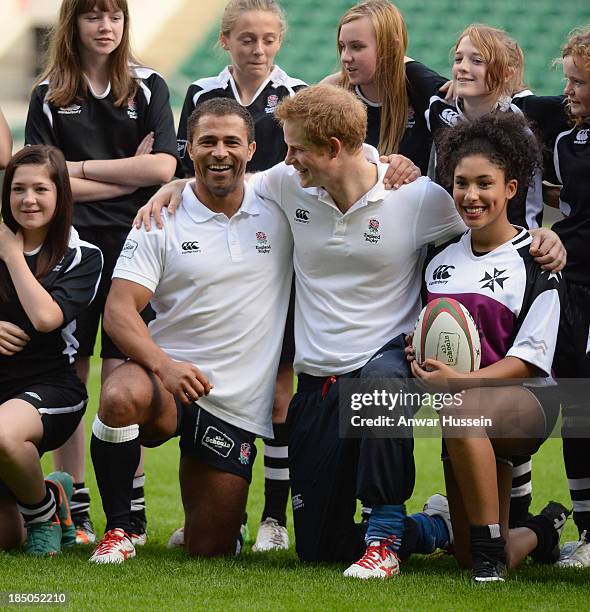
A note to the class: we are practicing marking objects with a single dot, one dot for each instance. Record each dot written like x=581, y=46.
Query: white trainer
x=115, y=547
x=271, y=536
x=438, y=505
x=575, y=554
x=176, y=540
x=377, y=562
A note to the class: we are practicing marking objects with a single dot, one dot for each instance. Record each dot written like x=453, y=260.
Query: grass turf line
x=159, y=577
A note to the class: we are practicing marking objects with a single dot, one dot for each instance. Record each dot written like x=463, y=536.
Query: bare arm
x=442, y=376
x=5, y=142
x=84, y=190
x=551, y=194
x=136, y=171
x=43, y=312
x=125, y=326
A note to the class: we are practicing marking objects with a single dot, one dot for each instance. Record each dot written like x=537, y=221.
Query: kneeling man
x=218, y=275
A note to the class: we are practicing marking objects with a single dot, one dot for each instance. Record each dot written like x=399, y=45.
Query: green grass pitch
x=162, y=579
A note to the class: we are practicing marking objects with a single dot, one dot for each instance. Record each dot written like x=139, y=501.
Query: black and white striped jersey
x=72, y=284
x=515, y=304
x=94, y=128
x=270, y=145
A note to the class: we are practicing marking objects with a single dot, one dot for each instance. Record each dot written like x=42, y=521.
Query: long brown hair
x=64, y=68
x=56, y=242
x=390, y=74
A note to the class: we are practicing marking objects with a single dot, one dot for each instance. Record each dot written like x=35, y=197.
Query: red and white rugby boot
x=115, y=547
x=377, y=562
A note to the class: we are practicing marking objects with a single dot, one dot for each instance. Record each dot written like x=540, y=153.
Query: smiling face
x=220, y=151
x=253, y=43
x=358, y=50
x=308, y=159
x=33, y=198
x=481, y=193
x=577, y=88
x=469, y=70
x=100, y=32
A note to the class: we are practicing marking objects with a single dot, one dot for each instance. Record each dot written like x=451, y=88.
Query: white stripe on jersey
x=555, y=154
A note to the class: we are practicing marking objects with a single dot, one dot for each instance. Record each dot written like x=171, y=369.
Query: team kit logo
x=73, y=109
x=190, y=246
x=441, y=275
x=582, y=137
x=271, y=103
x=411, y=118
x=245, y=452
x=449, y=116
x=262, y=245
x=131, y=108
x=491, y=280
x=129, y=248
x=217, y=441
x=372, y=234
x=302, y=216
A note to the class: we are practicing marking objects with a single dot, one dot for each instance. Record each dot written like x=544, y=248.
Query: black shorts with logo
x=61, y=401
x=217, y=443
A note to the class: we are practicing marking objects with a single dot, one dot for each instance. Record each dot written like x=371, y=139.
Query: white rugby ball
x=446, y=331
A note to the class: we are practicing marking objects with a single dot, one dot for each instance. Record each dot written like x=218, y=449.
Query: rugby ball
x=446, y=331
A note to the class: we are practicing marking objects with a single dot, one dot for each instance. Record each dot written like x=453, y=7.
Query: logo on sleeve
x=129, y=248
x=217, y=441
x=131, y=108
x=190, y=247
x=449, y=116
x=582, y=137
x=302, y=216
x=73, y=109
x=372, y=234
x=262, y=245
x=271, y=103
x=245, y=450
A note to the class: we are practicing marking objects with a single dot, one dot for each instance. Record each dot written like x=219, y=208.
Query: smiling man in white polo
x=218, y=275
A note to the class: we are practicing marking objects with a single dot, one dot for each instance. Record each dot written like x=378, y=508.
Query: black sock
x=487, y=544
x=138, y=499
x=519, y=510
x=80, y=504
x=546, y=535
x=276, y=475
x=582, y=521
x=43, y=511
x=115, y=463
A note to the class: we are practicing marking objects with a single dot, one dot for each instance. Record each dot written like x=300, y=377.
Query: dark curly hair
x=504, y=138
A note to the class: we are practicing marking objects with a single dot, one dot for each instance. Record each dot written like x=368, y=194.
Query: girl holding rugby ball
x=516, y=307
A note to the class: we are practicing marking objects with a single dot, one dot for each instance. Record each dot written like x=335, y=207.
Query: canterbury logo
x=302, y=215
x=442, y=272
x=190, y=246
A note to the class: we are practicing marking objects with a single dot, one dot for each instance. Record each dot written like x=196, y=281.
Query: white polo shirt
x=358, y=274
x=220, y=291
